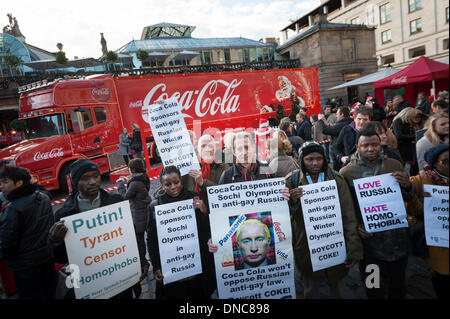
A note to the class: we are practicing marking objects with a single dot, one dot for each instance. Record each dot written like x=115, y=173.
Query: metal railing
x=179, y=69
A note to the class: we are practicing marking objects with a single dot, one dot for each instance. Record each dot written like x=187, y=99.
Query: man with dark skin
x=314, y=169
x=87, y=195
x=386, y=249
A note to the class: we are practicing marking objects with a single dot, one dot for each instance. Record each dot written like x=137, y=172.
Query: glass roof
x=9, y=45
x=177, y=44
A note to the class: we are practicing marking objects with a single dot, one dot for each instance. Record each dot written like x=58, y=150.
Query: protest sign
x=323, y=224
x=435, y=209
x=178, y=240
x=171, y=136
x=250, y=224
x=381, y=203
x=102, y=243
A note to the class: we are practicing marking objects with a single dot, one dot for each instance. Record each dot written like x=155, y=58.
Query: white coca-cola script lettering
x=399, y=80
x=55, y=152
x=206, y=101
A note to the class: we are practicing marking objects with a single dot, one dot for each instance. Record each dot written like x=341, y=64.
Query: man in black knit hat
x=86, y=195
x=314, y=169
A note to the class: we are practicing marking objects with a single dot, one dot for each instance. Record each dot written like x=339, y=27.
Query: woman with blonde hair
x=437, y=133
x=280, y=163
x=404, y=127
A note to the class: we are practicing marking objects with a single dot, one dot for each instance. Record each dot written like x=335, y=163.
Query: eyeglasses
x=444, y=162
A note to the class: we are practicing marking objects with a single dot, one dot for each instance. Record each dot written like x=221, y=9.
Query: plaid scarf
x=247, y=173
x=435, y=176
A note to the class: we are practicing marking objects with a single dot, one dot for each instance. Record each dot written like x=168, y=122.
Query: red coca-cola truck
x=76, y=118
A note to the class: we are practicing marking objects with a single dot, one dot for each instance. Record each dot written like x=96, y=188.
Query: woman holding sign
x=314, y=169
x=174, y=191
x=436, y=173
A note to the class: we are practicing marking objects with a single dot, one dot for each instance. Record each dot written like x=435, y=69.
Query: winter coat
x=137, y=193
x=406, y=139
x=300, y=245
x=136, y=141
x=24, y=226
x=69, y=208
x=282, y=165
x=124, y=144
x=401, y=106
x=204, y=283
x=389, y=245
x=303, y=130
x=423, y=105
x=215, y=174
x=438, y=258
x=345, y=144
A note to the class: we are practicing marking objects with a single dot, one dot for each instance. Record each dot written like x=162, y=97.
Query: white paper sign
x=250, y=224
x=102, y=243
x=323, y=223
x=178, y=240
x=381, y=203
x=171, y=136
x=436, y=215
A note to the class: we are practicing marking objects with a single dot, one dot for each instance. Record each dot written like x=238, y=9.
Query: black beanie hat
x=78, y=168
x=308, y=148
x=433, y=153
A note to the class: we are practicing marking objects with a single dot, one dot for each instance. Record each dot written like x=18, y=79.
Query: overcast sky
x=77, y=24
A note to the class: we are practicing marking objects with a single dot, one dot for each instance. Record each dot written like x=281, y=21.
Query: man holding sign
x=386, y=249
x=325, y=240
x=431, y=205
x=87, y=195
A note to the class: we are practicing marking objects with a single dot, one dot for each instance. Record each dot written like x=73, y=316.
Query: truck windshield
x=45, y=126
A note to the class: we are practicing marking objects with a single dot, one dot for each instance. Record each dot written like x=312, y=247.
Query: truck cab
x=65, y=120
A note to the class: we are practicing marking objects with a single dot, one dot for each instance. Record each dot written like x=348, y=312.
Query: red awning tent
x=417, y=77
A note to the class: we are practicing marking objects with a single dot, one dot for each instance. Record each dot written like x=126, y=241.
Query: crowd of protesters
x=343, y=143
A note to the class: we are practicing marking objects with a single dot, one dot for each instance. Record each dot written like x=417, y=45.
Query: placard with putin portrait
x=250, y=224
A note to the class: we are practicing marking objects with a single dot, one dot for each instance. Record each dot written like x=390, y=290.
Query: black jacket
x=406, y=138
x=335, y=129
x=303, y=130
x=70, y=208
x=24, y=226
x=202, y=226
x=345, y=144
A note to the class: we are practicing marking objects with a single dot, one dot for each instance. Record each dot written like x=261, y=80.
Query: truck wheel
x=65, y=170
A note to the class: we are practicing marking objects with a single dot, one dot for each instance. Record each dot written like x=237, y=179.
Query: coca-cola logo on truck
x=205, y=101
x=101, y=94
x=55, y=152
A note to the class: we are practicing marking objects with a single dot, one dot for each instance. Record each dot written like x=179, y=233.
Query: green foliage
x=12, y=60
x=111, y=56
x=142, y=55
x=61, y=57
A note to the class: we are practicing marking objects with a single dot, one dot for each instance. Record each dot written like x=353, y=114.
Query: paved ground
x=418, y=275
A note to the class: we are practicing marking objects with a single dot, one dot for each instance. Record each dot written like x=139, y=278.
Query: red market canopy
x=423, y=70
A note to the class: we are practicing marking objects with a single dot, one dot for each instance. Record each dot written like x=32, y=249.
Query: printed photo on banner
x=436, y=215
x=381, y=203
x=171, y=135
x=253, y=242
x=251, y=227
x=102, y=243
